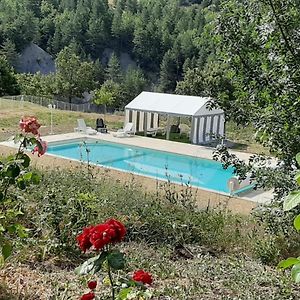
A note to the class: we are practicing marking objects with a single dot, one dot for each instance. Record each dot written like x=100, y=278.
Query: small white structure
x=144, y=111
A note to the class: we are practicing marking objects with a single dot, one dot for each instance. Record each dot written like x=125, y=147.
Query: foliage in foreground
x=212, y=247
x=16, y=174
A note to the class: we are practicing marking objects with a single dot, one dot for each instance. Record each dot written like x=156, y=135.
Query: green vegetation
x=161, y=36
x=204, y=254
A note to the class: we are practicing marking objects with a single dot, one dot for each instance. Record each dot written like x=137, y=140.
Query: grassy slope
x=204, y=277
x=65, y=121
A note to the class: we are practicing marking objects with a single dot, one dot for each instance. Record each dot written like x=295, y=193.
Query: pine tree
x=168, y=73
x=8, y=82
x=8, y=50
x=113, y=70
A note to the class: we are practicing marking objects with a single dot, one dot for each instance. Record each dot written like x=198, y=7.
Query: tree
x=259, y=43
x=211, y=81
x=108, y=94
x=73, y=76
x=113, y=70
x=168, y=73
x=8, y=50
x=133, y=84
x=8, y=82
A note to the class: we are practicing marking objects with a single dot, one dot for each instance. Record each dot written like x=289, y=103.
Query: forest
x=164, y=38
x=244, y=54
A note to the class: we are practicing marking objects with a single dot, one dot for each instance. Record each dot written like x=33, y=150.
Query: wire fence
x=85, y=107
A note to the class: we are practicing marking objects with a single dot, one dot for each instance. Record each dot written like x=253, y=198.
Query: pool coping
x=258, y=197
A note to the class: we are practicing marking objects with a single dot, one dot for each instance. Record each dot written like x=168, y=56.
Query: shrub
x=67, y=201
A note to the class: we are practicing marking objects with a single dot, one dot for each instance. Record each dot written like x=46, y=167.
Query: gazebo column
x=192, y=130
x=127, y=112
x=168, y=128
x=145, y=123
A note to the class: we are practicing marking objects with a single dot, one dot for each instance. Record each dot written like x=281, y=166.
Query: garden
x=78, y=234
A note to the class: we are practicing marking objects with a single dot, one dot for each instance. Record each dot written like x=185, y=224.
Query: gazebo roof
x=172, y=104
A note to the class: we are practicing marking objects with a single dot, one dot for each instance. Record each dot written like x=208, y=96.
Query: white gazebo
x=144, y=110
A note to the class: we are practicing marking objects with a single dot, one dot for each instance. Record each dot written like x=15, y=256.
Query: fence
x=85, y=107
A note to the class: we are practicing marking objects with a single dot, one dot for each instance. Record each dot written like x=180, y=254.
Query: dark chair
x=100, y=126
x=174, y=129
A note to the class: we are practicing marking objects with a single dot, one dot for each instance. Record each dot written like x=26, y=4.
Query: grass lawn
x=63, y=121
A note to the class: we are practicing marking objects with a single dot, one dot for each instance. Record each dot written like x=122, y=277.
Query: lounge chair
x=83, y=128
x=152, y=131
x=126, y=131
x=184, y=129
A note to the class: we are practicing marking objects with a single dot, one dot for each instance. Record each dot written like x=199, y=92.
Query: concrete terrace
x=252, y=198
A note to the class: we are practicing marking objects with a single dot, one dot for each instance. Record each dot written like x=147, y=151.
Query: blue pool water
x=202, y=173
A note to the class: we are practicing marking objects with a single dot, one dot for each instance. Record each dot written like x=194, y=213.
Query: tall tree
x=109, y=95
x=73, y=75
x=8, y=50
x=8, y=82
x=113, y=70
x=168, y=73
x=133, y=84
x=259, y=42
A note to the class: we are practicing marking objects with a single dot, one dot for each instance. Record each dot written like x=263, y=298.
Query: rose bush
x=15, y=173
x=100, y=239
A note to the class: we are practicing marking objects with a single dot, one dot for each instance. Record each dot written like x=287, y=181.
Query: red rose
x=101, y=235
x=111, y=231
x=40, y=149
x=88, y=296
x=83, y=239
x=29, y=125
x=92, y=285
x=119, y=229
x=142, y=276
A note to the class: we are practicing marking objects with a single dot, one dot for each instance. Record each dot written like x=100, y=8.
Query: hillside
x=63, y=121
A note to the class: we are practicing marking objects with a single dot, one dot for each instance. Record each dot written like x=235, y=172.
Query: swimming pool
x=197, y=172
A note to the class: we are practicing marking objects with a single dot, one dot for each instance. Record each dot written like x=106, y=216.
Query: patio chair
x=126, y=131
x=152, y=131
x=83, y=128
x=100, y=126
x=184, y=129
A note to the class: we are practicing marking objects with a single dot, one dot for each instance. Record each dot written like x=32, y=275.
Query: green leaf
x=297, y=223
x=21, y=184
x=13, y=171
x=6, y=250
x=291, y=201
x=21, y=230
x=35, y=178
x=298, y=158
x=124, y=293
x=27, y=176
x=1, y=196
x=287, y=263
x=26, y=160
x=297, y=177
x=92, y=265
x=296, y=273
x=116, y=260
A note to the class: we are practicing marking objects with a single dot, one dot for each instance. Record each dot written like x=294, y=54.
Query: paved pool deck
x=250, y=199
